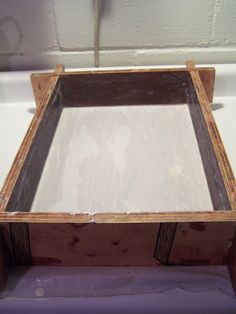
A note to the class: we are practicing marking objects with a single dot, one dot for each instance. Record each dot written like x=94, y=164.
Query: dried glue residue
x=123, y=159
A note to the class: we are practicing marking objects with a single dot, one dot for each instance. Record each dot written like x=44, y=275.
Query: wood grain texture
x=164, y=242
x=130, y=244
x=208, y=81
x=212, y=216
x=220, y=153
x=119, y=89
x=23, y=192
x=212, y=170
x=39, y=85
x=93, y=244
x=201, y=243
x=29, y=160
x=5, y=260
x=134, y=70
x=20, y=244
x=231, y=261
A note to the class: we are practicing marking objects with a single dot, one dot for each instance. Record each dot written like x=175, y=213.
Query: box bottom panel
x=123, y=159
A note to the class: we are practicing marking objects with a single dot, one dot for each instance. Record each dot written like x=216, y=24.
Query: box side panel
x=200, y=243
x=111, y=89
x=93, y=244
x=215, y=181
x=27, y=182
x=127, y=244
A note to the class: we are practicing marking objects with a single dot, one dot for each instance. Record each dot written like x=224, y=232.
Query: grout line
x=55, y=25
x=216, y=6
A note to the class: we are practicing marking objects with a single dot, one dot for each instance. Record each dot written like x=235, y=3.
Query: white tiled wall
x=41, y=33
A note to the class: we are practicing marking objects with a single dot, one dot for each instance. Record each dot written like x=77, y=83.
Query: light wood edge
x=208, y=81
x=41, y=82
x=208, y=216
x=81, y=72
x=39, y=85
x=221, y=156
x=207, y=76
x=21, y=155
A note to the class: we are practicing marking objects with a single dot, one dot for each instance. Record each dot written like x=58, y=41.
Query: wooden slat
x=4, y=260
x=227, y=173
x=21, y=243
x=208, y=81
x=25, y=148
x=39, y=85
x=93, y=244
x=216, y=186
x=201, y=243
x=135, y=70
x=164, y=242
x=212, y=216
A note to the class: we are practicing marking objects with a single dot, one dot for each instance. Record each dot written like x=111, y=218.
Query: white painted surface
x=123, y=159
x=39, y=34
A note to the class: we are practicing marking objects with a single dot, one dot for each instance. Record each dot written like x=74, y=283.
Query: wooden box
x=122, y=167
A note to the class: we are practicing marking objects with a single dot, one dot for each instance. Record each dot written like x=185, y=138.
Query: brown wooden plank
x=201, y=243
x=164, y=242
x=23, y=192
x=132, y=70
x=128, y=244
x=27, y=166
x=5, y=260
x=211, y=216
x=208, y=81
x=220, y=153
x=93, y=244
x=113, y=89
x=21, y=243
x=211, y=167
x=39, y=85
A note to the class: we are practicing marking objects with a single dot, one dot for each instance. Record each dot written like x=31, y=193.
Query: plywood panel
x=93, y=244
x=200, y=243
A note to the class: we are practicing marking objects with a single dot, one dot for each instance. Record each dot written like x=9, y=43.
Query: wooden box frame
x=191, y=84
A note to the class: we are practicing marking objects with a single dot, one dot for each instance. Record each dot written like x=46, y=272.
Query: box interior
x=121, y=142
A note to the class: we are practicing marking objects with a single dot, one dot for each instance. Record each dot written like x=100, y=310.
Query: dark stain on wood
x=46, y=261
x=90, y=254
x=198, y=226
x=121, y=89
x=78, y=226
